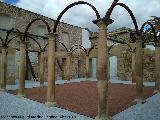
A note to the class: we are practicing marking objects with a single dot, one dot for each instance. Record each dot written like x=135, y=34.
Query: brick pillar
x=157, y=69
x=133, y=67
x=68, y=66
x=139, y=71
x=51, y=72
x=102, y=71
x=3, y=80
x=21, y=90
x=42, y=69
x=87, y=67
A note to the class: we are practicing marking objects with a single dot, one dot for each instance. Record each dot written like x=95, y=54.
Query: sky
x=83, y=15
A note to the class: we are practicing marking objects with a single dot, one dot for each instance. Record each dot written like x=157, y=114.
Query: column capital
x=138, y=37
x=4, y=47
x=104, y=20
x=87, y=55
x=24, y=42
x=133, y=51
x=42, y=52
x=69, y=53
x=139, y=40
x=52, y=35
x=157, y=44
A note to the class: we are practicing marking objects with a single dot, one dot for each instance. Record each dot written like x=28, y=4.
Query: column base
x=21, y=95
x=103, y=117
x=156, y=91
x=41, y=85
x=133, y=83
x=2, y=90
x=87, y=79
x=50, y=104
x=139, y=101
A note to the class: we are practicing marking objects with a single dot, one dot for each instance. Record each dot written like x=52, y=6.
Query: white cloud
x=82, y=15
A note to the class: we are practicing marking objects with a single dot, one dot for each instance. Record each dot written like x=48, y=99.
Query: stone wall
x=20, y=18
x=149, y=65
x=124, y=55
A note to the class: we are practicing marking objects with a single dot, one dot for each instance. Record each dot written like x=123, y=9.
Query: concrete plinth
x=156, y=91
x=20, y=95
x=140, y=100
x=50, y=104
x=103, y=117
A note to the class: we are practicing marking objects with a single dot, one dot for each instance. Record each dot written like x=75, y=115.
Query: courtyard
x=76, y=99
x=81, y=97
x=65, y=62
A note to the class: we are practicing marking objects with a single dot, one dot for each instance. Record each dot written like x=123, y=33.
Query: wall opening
x=113, y=67
x=94, y=65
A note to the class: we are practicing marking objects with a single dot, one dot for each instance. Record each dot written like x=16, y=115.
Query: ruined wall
x=149, y=65
x=19, y=18
x=124, y=55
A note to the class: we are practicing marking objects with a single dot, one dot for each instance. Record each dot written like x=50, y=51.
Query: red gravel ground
x=82, y=97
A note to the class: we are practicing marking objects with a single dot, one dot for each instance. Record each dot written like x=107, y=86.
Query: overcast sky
x=82, y=15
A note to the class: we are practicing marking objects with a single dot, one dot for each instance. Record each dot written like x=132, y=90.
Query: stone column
x=79, y=68
x=102, y=71
x=68, y=66
x=109, y=73
x=21, y=90
x=63, y=68
x=42, y=69
x=133, y=66
x=90, y=67
x=51, y=72
x=139, y=71
x=3, y=69
x=39, y=63
x=87, y=67
x=157, y=69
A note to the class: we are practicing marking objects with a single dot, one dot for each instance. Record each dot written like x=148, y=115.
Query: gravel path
x=12, y=107
x=148, y=111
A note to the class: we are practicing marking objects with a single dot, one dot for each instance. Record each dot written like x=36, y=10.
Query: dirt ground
x=82, y=97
